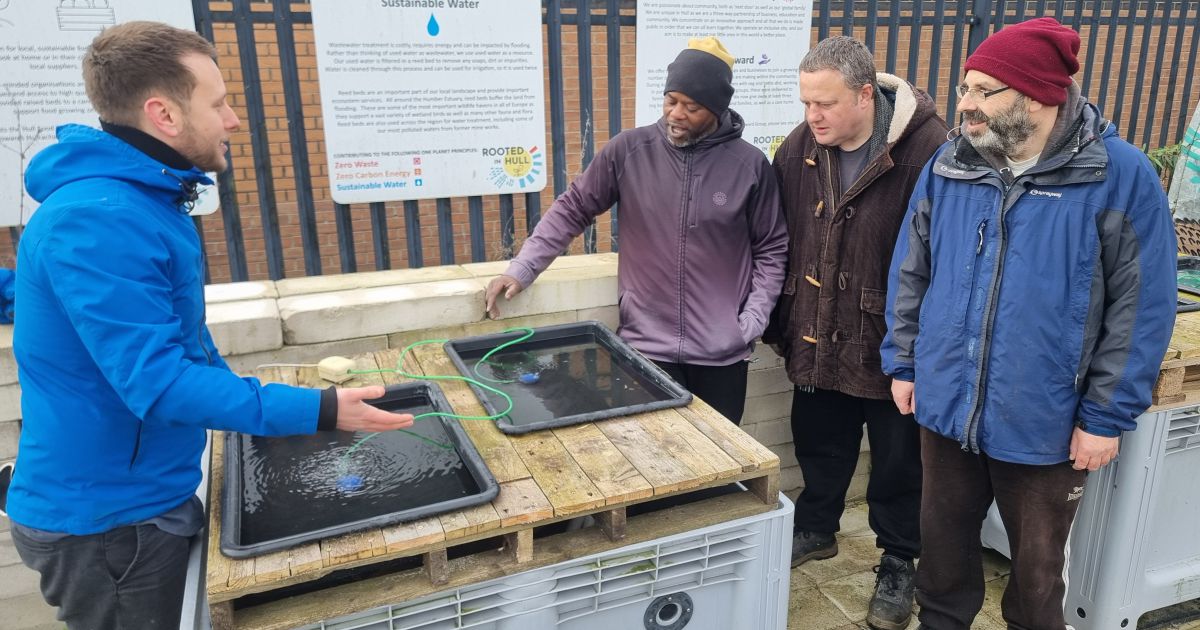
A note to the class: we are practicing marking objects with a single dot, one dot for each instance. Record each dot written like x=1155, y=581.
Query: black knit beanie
x=703, y=72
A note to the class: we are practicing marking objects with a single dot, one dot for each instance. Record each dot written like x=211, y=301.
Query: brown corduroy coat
x=829, y=319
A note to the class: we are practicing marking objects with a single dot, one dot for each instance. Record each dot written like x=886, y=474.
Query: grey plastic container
x=668, y=393
x=397, y=398
x=1134, y=546
x=733, y=575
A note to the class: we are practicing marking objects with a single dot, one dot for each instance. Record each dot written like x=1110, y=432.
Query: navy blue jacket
x=119, y=375
x=1022, y=308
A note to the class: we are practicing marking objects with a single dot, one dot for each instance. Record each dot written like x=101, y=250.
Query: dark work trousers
x=1037, y=505
x=827, y=429
x=722, y=386
x=125, y=578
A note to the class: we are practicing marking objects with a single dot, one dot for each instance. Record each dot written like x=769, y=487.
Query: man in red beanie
x=1030, y=300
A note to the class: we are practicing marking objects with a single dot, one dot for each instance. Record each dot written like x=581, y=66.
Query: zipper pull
x=979, y=247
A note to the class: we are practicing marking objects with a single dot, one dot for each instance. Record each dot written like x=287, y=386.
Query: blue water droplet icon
x=433, y=26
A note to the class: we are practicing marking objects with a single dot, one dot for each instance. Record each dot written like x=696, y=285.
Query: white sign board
x=768, y=38
x=41, y=85
x=431, y=98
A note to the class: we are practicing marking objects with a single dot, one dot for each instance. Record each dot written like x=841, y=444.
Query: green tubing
x=399, y=369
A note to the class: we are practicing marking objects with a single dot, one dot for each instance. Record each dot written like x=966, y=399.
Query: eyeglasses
x=976, y=93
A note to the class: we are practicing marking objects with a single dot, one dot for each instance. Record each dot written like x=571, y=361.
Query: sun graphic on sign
x=517, y=167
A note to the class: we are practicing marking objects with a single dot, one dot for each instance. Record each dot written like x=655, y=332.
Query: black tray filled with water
x=564, y=375
x=283, y=492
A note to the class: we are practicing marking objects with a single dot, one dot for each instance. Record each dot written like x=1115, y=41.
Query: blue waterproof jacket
x=119, y=376
x=1022, y=308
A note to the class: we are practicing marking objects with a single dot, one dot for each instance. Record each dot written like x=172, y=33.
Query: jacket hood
x=729, y=127
x=84, y=152
x=910, y=108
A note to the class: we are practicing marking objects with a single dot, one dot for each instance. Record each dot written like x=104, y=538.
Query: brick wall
x=1119, y=94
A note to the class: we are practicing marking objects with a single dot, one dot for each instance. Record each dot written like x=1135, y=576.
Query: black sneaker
x=812, y=546
x=895, y=585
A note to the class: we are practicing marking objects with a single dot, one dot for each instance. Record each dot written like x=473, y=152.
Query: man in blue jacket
x=118, y=372
x=1030, y=301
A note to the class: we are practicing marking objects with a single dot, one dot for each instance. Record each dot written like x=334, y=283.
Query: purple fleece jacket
x=703, y=240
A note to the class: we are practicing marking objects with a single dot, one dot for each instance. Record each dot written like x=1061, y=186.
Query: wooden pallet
x=1181, y=365
x=548, y=476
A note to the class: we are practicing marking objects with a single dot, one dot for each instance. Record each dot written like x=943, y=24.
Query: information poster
x=767, y=38
x=431, y=98
x=41, y=86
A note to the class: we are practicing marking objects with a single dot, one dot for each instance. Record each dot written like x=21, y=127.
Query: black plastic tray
x=570, y=390
x=400, y=398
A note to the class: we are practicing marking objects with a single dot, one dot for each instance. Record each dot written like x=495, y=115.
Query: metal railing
x=1138, y=63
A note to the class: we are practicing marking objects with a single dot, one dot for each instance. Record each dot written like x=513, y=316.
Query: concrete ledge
x=368, y=280
x=580, y=288
x=10, y=434
x=307, y=354
x=245, y=326
x=379, y=311
x=237, y=291
x=10, y=402
x=608, y=315
x=8, y=362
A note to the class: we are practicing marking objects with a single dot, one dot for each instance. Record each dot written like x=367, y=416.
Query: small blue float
x=349, y=483
x=529, y=378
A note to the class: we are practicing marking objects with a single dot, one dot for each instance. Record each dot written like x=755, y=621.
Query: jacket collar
x=148, y=144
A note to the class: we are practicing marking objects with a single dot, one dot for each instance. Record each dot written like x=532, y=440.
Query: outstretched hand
x=507, y=285
x=355, y=415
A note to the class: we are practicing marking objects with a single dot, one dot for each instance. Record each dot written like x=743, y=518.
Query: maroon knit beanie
x=1035, y=58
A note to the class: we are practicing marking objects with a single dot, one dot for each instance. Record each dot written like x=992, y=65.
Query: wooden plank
x=612, y=522
x=1174, y=363
x=218, y=565
x=1186, y=337
x=611, y=472
x=352, y=547
x=493, y=446
x=406, y=536
x=470, y=521
x=519, y=546
x=688, y=445
x=241, y=574
x=1168, y=385
x=744, y=449
x=306, y=558
x=272, y=567
x=520, y=502
x=766, y=488
x=220, y=616
x=386, y=360
x=655, y=463
x=437, y=566
x=557, y=474
x=404, y=586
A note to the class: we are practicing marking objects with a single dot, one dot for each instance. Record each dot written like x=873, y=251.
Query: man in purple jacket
x=703, y=241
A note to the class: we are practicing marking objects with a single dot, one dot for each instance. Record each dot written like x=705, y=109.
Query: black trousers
x=722, y=386
x=1037, y=504
x=128, y=577
x=827, y=429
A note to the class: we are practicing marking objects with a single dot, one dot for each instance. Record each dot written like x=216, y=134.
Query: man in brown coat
x=846, y=173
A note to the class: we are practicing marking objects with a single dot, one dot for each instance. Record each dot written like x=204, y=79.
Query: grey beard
x=1005, y=131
